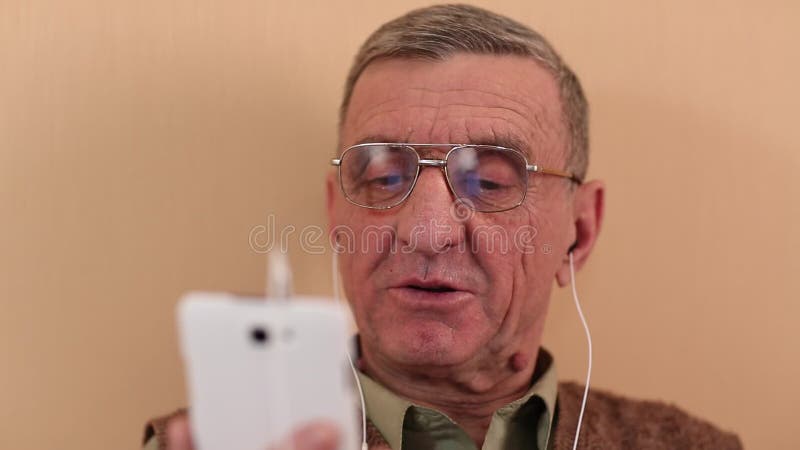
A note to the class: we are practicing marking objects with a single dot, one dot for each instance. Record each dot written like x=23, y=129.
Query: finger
x=179, y=436
x=317, y=436
x=320, y=435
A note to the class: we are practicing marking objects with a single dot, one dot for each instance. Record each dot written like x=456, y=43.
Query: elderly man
x=463, y=137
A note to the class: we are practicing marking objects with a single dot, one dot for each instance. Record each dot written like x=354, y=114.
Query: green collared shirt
x=522, y=424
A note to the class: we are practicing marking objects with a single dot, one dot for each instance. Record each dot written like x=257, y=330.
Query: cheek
x=501, y=244
x=362, y=244
x=519, y=263
x=541, y=259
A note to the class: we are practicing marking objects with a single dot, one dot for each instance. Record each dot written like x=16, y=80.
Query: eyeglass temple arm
x=570, y=176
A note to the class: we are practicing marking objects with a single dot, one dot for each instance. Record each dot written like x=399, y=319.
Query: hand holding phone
x=314, y=436
x=258, y=369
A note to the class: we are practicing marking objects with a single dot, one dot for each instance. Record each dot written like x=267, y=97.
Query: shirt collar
x=387, y=411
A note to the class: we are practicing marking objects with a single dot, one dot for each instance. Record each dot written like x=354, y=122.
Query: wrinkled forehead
x=508, y=101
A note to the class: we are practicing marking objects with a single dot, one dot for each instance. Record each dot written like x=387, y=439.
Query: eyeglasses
x=486, y=178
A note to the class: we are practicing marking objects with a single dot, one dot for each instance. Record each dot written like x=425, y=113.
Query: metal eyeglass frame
x=442, y=164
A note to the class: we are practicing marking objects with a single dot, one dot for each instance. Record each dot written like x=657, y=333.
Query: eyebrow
x=374, y=139
x=507, y=140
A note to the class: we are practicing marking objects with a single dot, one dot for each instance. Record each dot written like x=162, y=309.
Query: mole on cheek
x=518, y=362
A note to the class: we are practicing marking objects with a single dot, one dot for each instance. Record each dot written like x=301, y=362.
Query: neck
x=469, y=394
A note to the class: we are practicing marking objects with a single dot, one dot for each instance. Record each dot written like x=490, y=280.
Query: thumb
x=320, y=435
x=178, y=435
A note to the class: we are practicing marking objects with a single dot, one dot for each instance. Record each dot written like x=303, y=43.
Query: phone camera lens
x=259, y=335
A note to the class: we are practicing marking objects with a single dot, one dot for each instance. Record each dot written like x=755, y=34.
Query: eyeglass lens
x=490, y=179
x=382, y=176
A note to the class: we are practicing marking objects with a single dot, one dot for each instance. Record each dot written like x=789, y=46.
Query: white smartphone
x=256, y=369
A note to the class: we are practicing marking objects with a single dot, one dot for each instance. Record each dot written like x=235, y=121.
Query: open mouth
x=431, y=295
x=432, y=288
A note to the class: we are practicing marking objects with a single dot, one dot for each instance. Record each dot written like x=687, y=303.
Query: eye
x=488, y=185
x=475, y=183
x=497, y=173
x=387, y=182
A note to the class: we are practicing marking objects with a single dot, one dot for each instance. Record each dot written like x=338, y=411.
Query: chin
x=427, y=342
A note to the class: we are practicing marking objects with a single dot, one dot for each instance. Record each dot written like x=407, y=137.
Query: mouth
x=430, y=294
x=431, y=287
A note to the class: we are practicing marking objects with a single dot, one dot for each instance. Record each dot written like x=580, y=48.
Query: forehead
x=477, y=99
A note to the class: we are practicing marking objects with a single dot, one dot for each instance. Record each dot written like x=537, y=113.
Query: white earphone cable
x=589, y=341
x=335, y=270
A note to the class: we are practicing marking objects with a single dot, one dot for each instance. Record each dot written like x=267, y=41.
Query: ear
x=588, y=204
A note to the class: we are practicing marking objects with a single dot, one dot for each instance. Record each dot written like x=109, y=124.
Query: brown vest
x=610, y=422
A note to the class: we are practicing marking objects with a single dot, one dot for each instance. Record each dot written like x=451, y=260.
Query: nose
x=428, y=221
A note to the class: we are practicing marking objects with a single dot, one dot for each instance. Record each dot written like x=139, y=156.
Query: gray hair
x=437, y=32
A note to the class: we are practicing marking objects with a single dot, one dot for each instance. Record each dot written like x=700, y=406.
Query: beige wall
x=141, y=142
